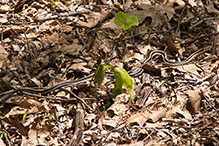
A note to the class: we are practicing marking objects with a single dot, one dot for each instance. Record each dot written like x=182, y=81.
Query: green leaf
x=25, y=115
x=53, y=3
x=125, y=20
x=1, y=134
x=122, y=78
x=98, y=76
x=50, y=117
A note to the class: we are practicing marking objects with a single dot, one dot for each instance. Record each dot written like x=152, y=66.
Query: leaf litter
x=170, y=105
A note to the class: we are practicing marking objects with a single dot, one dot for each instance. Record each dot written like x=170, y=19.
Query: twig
x=57, y=99
x=2, y=37
x=62, y=15
x=169, y=77
x=16, y=75
x=5, y=137
x=206, y=98
x=215, y=40
x=82, y=100
x=198, y=38
x=114, y=48
x=186, y=1
x=79, y=126
x=82, y=41
x=178, y=25
x=202, y=20
x=159, y=31
x=28, y=48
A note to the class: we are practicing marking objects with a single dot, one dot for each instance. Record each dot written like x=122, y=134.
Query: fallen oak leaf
x=93, y=18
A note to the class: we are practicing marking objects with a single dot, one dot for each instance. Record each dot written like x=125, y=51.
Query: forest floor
x=44, y=43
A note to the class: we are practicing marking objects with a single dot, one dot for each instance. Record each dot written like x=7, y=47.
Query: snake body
x=89, y=77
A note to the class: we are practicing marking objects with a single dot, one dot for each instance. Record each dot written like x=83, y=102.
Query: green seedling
x=53, y=3
x=121, y=76
x=125, y=20
x=25, y=115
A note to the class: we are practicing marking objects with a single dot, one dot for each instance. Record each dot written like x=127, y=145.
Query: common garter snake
x=89, y=77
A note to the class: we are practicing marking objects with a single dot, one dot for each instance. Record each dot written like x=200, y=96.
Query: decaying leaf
x=94, y=17
x=152, y=16
x=40, y=47
x=80, y=67
x=139, y=118
x=178, y=110
x=194, y=102
x=4, y=9
x=211, y=9
x=156, y=115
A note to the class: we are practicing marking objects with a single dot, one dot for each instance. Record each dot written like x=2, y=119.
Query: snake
x=139, y=71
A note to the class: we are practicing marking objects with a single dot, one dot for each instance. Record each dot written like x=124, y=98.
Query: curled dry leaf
x=191, y=68
x=194, y=102
x=152, y=16
x=31, y=140
x=17, y=111
x=211, y=9
x=79, y=67
x=72, y=49
x=2, y=142
x=178, y=109
x=139, y=118
x=137, y=56
x=156, y=115
x=4, y=8
x=3, y=18
x=93, y=18
x=12, y=30
x=17, y=124
x=3, y=59
x=152, y=69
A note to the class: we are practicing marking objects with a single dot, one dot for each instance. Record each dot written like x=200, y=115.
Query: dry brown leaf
x=211, y=9
x=152, y=69
x=139, y=118
x=137, y=56
x=3, y=19
x=79, y=67
x=72, y=49
x=17, y=111
x=3, y=52
x=64, y=94
x=4, y=9
x=93, y=18
x=37, y=82
x=192, y=68
x=110, y=30
x=173, y=2
x=155, y=12
x=168, y=41
x=34, y=138
x=116, y=109
x=155, y=124
x=177, y=109
x=212, y=67
x=185, y=113
x=144, y=49
x=2, y=142
x=194, y=102
x=139, y=143
x=16, y=123
x=110, y=122
x=156, y=115
x=152, y=16
x=27, y=103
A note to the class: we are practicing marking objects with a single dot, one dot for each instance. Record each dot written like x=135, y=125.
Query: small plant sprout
x=125, y=20
x=121, y=76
